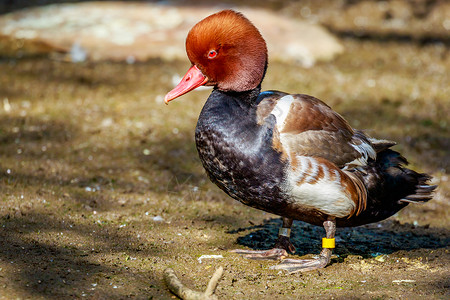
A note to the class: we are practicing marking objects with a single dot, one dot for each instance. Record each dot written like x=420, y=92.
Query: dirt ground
x=101, y=188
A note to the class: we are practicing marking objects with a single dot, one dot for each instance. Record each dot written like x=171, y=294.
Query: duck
x=287, y=154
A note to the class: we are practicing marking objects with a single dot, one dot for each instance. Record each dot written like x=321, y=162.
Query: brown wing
x=309, y=127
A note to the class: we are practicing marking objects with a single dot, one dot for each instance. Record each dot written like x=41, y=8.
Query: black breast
x=237, y=153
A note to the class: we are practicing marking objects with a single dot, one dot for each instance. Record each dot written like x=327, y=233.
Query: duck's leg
x=303, y=265
x=279, y=251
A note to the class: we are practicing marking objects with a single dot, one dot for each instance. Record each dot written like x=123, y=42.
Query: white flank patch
x=281, y=110
x=326, y=195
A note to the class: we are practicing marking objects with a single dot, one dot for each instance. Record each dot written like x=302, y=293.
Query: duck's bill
x=192, y=80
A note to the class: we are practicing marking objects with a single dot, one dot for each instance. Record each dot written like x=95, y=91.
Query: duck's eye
x=212, y=54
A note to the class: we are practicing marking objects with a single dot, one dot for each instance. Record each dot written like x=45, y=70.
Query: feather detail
x=309, y=127
x=363, y=146
x=422, y=194
x=380, y=145
x=361, y=193
x=281, y=111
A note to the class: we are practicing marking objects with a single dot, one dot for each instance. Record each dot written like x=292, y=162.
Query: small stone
x=158, y=219
x=208, y=257
x=122, y=202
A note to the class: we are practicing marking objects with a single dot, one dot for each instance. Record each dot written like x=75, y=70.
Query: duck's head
x=226, y=51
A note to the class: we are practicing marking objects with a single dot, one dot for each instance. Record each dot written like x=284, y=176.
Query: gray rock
x=139, y=31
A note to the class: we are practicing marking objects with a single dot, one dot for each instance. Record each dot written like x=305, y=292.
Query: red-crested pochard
x=287, y=154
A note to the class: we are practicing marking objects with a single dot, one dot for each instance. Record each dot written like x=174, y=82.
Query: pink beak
x=192, y=80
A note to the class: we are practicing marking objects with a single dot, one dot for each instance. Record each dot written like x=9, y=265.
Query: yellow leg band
x=328, y=243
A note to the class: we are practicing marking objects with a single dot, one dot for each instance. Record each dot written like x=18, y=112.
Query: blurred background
x=100, y=184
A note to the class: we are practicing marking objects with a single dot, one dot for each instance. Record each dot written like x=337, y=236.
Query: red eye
x=212, y=54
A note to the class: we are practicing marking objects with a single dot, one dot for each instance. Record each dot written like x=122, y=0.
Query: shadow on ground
x=368, y=241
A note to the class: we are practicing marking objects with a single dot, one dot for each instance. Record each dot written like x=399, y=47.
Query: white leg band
x=285, y=232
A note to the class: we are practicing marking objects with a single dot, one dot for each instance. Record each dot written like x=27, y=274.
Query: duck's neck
x=230, y=109
x=247, y=98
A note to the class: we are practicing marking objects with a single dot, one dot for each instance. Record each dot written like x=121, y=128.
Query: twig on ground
x=185, y=293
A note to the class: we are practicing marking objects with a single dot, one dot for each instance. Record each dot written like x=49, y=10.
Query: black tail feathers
x=423, y=191
x=410, y=186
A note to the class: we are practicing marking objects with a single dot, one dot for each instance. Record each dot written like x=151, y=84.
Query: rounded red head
x=226, y=51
